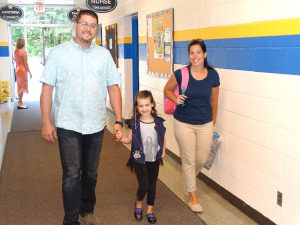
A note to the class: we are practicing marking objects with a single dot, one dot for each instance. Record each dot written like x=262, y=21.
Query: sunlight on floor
x=34, y=86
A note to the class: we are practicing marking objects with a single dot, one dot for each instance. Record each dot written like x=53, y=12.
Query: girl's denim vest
x=137, y=154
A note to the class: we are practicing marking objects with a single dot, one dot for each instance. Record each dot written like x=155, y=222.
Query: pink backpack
x=169, y=105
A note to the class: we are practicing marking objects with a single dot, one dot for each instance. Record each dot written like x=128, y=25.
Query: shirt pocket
x=63, y=71
x=95, y=82
x=97, y=74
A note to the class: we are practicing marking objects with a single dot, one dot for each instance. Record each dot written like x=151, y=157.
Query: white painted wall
x=5, y=62
x=124, y=65
x=5, y=74
x=258, y=112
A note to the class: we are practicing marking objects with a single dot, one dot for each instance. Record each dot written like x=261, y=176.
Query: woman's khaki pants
x=194, y=145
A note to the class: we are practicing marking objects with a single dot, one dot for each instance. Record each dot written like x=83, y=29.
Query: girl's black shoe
x=151, y=218
x=138, y=213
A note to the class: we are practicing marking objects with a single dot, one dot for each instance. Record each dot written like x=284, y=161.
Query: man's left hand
x=117, y=128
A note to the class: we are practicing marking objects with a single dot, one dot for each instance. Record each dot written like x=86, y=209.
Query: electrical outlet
x=279, y=198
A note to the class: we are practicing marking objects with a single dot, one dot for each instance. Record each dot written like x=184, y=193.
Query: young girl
x=147, y=134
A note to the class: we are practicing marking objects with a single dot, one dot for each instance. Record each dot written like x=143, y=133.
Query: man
x=80, y=72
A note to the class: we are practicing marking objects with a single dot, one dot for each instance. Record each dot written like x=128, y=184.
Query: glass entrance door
x=41, y=33
x=40, y=40
x=53, y=36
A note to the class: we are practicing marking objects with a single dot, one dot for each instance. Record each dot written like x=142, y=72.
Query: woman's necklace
x=199, y=74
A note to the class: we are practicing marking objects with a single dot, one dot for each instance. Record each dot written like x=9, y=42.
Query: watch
x=119, y=122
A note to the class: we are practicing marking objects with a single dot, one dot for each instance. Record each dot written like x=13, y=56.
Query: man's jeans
x=79, y=159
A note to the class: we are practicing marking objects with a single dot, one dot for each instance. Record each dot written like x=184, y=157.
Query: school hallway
x=30, y=182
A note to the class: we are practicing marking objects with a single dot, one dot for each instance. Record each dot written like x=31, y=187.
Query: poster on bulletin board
x=160, y=28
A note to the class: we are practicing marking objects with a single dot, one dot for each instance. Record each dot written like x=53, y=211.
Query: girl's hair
x=88, y=13
x=201, y=43
x=144, y=94
x=20, y=43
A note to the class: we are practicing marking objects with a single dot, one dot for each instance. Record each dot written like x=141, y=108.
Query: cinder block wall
x=5, y=65
x=255, y=47
x=254, y=44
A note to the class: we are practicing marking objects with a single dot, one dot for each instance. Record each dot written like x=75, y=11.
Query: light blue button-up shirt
x=80, y=79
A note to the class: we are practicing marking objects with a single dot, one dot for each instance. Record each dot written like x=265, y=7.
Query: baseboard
x=238, y=203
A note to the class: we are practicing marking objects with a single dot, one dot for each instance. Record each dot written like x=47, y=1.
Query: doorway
x=39, y=40
x=41, y=31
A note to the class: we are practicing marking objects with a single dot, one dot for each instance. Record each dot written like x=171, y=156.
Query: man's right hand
x=49, y=132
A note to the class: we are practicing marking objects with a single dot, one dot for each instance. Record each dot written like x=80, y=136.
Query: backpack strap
x=184, y=77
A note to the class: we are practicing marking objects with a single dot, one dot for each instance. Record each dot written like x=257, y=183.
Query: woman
x=195, y=116
x=22, y=70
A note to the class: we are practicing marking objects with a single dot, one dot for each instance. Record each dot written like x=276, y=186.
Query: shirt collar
x=90, y=48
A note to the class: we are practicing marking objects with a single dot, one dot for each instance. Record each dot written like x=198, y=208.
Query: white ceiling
x=60, y=2
x=50, y=2
x=54, y=2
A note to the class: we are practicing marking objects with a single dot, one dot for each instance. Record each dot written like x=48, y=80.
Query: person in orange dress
x=22, y=70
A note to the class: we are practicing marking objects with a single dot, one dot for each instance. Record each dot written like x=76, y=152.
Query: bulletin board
x=112, y=41
x=160, y=27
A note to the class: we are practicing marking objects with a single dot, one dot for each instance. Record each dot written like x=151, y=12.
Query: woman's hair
x=140, y=95
x=20, y=43
x=202, y=45
x=86, y=12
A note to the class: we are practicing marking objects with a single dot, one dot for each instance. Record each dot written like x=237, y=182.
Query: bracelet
x=119, y=122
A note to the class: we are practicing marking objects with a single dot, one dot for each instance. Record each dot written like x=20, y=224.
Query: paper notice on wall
x=150, y=27
x=167, y=40
x=167, y=35
x=167, y=53
x=158, y=38
x=110, y=43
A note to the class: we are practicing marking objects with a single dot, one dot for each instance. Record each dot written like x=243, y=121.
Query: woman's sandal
x=195, y=207
x=22, y=107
